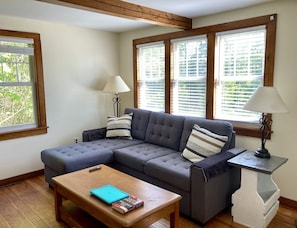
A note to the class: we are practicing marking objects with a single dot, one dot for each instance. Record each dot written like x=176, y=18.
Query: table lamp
x=265, y=100
x=116, y=85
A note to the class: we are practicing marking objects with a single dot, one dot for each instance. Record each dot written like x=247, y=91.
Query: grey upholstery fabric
x=81, y=155
x=139, y=123
x=164, y=130
x=214, y=166
x=93, y=134
x=171, y=169
x=135, y=157
x=216, y=126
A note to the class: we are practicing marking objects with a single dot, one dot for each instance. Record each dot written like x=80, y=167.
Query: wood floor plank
x=30, y=203
x=3, y=222
x=36, y=204
x=11, y=210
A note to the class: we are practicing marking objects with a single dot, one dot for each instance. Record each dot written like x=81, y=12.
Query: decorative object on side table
x=116, y=85
x=265, y=100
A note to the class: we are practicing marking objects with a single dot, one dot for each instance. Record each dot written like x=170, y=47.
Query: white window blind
x=151, y=77
x=189, y=76
x=240, y=60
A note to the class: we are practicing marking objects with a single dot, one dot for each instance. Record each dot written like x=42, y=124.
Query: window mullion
x=167, y=76
x=210, y=83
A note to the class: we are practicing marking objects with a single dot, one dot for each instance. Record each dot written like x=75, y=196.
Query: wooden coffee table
x=74, y=187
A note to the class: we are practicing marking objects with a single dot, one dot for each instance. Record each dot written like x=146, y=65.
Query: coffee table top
x=78, y=184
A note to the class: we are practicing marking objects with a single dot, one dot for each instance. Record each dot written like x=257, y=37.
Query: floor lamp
x=116, y=85
x=265, y=100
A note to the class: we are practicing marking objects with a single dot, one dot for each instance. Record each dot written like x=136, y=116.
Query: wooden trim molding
x=22, y=177
x=288, y=202
x=23, y=133
x=128, y=10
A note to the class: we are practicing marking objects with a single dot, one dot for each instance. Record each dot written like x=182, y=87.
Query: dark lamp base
x=262, y=153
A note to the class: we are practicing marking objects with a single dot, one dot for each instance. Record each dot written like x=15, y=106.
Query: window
x=212, y=71
x=189, y=76
x=21, y=85
x=151, y=80
x=240, y=64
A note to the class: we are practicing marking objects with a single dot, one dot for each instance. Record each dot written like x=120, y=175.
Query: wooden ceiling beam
x=128, y=10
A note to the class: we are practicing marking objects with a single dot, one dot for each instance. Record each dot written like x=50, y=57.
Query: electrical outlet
x=76, y=140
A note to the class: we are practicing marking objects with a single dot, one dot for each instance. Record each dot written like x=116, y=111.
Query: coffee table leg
x=174, y=216
x=58, y=203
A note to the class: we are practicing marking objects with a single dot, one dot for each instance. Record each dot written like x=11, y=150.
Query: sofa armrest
x=94, y=134
x=213, y=182
x=217, y=164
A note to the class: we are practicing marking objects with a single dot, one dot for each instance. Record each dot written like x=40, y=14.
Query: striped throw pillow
x=119, y=126
x=203, y=143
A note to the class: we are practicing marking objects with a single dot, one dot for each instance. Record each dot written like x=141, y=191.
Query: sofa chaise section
x=69, y=158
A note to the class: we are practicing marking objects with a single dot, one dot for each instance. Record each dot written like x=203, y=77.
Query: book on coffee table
x=109, y=194
x=127, y=204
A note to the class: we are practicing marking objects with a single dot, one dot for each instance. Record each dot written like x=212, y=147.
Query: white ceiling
x=60, y=14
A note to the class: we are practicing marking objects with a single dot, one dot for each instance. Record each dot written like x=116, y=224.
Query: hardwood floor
x=30, y=203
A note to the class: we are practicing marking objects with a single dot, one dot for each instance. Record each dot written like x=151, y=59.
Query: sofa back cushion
x=216, y=126
x=139, y=123
x=164, y=130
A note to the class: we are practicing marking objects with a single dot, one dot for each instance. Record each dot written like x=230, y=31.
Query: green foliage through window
x=16, y=82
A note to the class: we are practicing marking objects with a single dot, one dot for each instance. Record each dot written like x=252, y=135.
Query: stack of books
x=127, y=204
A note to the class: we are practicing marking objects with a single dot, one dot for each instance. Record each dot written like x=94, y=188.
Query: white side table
x=255, y=203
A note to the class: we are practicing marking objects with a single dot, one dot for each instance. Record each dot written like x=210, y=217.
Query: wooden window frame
x=39, y=89
x=269, y=21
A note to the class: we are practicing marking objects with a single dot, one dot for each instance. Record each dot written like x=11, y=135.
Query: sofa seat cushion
x=135, y=157
x=172, y=169
x=81, y=155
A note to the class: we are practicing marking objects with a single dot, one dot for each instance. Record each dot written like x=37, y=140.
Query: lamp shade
x=115, y=84
x=266, y=100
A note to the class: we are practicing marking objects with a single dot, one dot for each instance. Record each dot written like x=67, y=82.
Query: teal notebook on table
x=109, y=194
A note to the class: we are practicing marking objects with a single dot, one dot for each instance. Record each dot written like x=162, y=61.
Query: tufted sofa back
x=139, y=123
x=164, y=130
x=173, y=131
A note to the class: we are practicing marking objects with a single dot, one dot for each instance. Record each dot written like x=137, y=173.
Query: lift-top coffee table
x=75, y=187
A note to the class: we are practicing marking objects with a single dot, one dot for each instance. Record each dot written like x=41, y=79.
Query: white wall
x=284, y=138
x=76, y=64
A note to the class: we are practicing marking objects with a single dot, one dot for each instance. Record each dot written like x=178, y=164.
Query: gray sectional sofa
x=154, y=155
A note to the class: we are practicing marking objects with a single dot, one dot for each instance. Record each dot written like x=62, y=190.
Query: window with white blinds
x=151, y=77
x=240, y=71
x=208, y=72
x=189, y=76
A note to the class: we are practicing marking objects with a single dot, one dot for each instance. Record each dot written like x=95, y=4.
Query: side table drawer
x=271, y=201
x=271, y=213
